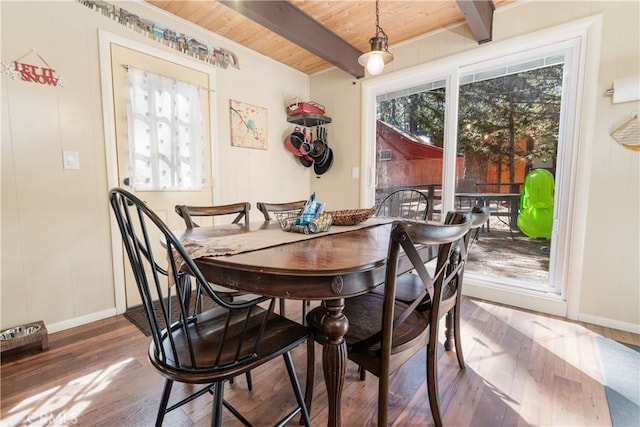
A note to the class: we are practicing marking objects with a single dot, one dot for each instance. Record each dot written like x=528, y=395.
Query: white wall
x=608, y=292
x=56, y=248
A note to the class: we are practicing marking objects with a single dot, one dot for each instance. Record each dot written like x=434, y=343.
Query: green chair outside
x=535, y=219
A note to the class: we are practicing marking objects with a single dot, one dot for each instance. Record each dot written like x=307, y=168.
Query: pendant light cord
x=379, y=29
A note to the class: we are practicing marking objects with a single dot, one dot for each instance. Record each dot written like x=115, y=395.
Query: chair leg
x=304, y=312
x=249, y=382
x=456, y=332
x=218, y=399
x=281, y=306
x=363, y=373
x=164, y=400
x=383, y=399
x=432, y=382
x=449, y=332
x=311, y=373
x=296, y=389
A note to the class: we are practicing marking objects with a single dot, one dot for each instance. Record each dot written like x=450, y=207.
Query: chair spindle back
x=166, y=295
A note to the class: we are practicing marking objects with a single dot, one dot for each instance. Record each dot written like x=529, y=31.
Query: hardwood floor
x=522, y=369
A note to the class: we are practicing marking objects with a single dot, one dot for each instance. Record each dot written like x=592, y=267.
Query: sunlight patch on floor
x=561, y=350
x=62, y=405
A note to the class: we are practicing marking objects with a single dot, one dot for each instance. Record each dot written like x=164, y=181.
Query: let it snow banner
x=33, y=73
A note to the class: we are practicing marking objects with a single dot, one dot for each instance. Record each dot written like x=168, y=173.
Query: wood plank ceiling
x=352, y=21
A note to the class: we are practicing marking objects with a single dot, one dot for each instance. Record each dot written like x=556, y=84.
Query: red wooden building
x=404, y=160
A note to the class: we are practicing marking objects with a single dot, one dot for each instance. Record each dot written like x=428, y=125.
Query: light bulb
x=375, y=64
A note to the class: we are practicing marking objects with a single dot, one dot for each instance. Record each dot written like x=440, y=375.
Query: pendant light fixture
x=379, y=55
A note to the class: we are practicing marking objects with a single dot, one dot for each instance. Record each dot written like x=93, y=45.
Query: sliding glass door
x=491, y=133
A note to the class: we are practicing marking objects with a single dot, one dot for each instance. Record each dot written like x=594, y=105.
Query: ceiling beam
x=479, y=16
x=285, y=19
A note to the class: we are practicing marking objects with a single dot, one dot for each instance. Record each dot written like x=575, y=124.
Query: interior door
x=162, y=202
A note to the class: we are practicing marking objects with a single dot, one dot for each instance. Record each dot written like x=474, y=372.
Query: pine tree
x=493, y=115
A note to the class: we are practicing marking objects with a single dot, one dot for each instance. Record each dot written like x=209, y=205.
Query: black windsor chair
x=194, y=347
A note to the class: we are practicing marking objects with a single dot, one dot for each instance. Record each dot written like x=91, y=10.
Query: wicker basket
x=290, y=221
x=352, y=216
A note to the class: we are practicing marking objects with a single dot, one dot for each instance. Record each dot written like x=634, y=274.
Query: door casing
x=106, y=40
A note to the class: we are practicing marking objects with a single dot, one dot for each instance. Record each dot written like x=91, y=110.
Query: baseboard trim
x=536, y=301
x=609, y=323
x=527, y=300
x=82, y=320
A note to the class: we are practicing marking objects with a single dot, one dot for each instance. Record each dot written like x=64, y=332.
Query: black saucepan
x=318, y=148
x=306, y=161
x=297, y=137
x=321, y=167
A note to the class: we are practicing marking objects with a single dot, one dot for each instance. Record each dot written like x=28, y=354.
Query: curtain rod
x=126, y=67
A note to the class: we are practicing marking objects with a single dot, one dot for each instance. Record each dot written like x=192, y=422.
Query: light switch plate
x=71, y=159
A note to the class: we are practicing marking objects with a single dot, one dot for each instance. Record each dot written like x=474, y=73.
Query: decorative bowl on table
x=352, y=216
x=292, y=221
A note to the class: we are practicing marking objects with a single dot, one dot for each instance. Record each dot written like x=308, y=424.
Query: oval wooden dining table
x=328, y=267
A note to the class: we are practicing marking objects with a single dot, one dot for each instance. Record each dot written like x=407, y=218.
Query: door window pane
x=166, y=133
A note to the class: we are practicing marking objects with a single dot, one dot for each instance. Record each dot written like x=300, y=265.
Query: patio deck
x=509, y=253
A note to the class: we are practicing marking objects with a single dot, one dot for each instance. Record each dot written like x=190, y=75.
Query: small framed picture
x=248, y=125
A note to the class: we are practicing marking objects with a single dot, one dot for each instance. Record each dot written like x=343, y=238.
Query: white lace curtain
x=166, y=133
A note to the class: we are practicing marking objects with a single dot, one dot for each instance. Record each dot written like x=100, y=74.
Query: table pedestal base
x=334, y=357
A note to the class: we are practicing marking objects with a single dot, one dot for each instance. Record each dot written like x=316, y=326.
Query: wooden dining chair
x=293, y=207
x=383, y=332
x=207, y=348
x=188, y=212
x=267, y=208
x=241, y=211
x=404, y=203
x=409, y=285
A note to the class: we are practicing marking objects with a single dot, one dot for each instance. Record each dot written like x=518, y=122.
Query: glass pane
x=166, y=133
x=508, y=140
x=409, y=142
